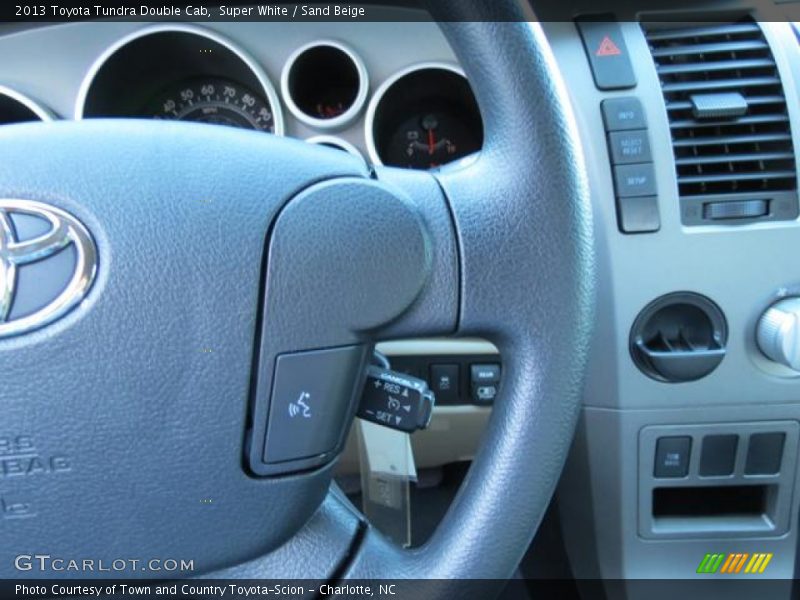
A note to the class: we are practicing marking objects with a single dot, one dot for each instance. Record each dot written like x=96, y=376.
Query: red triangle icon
x=608, y=48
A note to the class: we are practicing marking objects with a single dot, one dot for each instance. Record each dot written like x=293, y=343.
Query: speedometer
x=216, y=101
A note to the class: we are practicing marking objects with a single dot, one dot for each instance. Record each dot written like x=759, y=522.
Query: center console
x=687, y=445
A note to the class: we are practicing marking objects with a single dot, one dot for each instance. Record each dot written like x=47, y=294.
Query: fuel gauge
x=436, y=140
x=425, y=118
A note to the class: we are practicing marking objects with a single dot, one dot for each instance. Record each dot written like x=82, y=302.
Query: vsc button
x=313, y=394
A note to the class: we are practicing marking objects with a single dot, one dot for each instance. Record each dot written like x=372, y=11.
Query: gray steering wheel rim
x=528, y=192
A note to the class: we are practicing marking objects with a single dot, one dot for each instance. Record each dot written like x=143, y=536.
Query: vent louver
x=727, y=112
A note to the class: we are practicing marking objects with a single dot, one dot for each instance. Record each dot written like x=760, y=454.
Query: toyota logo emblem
x=34, y=234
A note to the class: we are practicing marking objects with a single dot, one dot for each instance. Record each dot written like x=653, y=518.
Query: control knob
x=778, y=333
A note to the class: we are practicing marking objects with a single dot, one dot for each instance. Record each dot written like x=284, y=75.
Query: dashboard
x=696, y=227
x=419, y=113
x=390, y=95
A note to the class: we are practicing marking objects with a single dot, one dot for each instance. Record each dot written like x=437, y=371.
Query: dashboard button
x=484, y=394
x=672, y=456
x=635, y=180
x=311, y=397
x=629, y=147
x=608, y=55
x=620, y=114
x=638, y=214
x=718, y=455
x=444, y=383
x=765, y=453
x=489, y=373
x=484, y=379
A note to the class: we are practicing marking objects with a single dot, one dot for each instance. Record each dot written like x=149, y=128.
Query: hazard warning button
x=607, y=53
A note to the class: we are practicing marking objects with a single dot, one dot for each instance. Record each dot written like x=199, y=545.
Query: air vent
x=731, y=134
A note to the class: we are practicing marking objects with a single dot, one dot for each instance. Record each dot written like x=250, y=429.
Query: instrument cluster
x=422, y=117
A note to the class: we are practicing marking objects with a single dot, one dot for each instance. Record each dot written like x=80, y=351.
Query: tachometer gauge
x=216, y=101
x=422, y=118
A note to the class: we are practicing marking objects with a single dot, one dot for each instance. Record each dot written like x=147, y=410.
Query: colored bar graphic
x=752, y=563
x=727, y=566
x=767, y=558
x=740, y=564
x=710, y=563
x=734, y=562
x=703, y=563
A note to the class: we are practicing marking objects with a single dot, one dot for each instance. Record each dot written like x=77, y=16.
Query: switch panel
x=716, y=481
x=455, y=379
x=631, y=163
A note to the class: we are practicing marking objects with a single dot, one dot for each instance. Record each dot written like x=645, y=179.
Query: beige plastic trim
x=455, y=431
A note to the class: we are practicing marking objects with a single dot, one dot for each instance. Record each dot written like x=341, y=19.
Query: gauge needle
x=431, y=142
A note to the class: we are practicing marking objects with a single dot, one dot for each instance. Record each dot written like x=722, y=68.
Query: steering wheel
x=137, y=417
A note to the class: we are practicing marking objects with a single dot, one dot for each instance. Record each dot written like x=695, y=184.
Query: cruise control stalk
x=396, y=400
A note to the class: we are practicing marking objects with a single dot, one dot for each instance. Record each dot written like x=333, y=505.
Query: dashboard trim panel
x=40, y=111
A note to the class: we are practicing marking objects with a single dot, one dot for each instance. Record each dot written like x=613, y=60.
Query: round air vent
x=679, y=337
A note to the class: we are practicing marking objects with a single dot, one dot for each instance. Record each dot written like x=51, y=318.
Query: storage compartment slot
x=737, y=508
